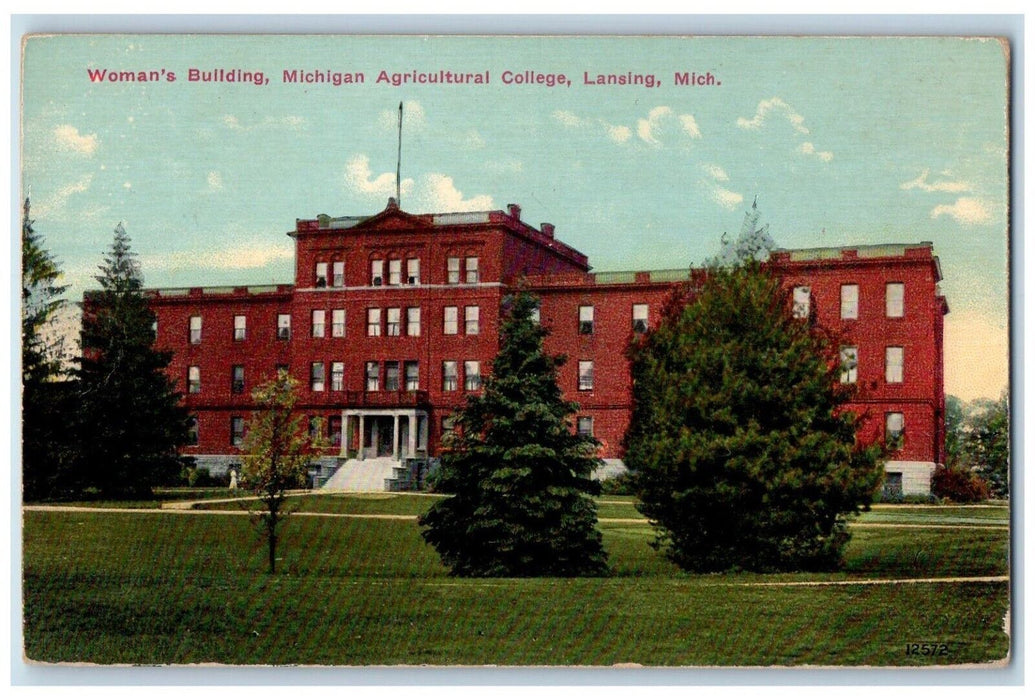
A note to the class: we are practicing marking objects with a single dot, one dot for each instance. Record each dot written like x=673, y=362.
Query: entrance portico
x=399, y=434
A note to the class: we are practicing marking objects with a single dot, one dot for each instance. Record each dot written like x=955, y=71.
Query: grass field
x=150, y=588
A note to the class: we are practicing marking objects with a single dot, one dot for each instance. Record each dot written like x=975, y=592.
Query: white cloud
x=941, y=186
x=439, y=194
x=966, y=210
x=291, y=122
x=128, y=185
x=690, y=125
x=717, y=173
x=727, y=199
x=568, y=118
x=413, y=117
x=235, y=258
x=645, y=127
x=358, y=177
x=809, y=149
x=215, y=181
x=777, y=105
x=68, y=138
x=618, y=133
x=59, y=199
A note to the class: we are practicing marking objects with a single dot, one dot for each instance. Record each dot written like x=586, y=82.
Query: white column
x=412, y=433
x=345, y=420
x=395, y=437
x=359, y=452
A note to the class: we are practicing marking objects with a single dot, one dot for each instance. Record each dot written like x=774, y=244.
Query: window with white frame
x=849, y=301
x=316, y=376
x=392, y=325
x=319, y=323
x=471, y=270
x=236, y=431
x=373, y=375
x=413, y=320
x=240, y=327
x=849, y=364
x=453, y=270
x=395, y=272
x=449, y=375
x=373, y=322
x=195, y=330
x=413, y=271
x=472, y=375
x=339, y=274
x=584, y=427
x=585, y=320
x=337, y=376
x=893, y=362
x=585, y=375
x=449, y=320
x=391, y=376
x=894, y=299
x=801, y=302
x=640, y=312
x=237, y=379
x=334, y=430
x=283, y=326
x=194, y=379
x=411, y=374
x=338, y=323
x=471, y=320
x=894, y=429
x=321, y=275
x=377, y=273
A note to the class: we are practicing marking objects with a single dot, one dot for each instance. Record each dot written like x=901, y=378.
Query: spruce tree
x=744, y=455
x=132, y=422
x=43, y=435
x=519, y=475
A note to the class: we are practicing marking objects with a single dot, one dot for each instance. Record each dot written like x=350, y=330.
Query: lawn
x=181, y=588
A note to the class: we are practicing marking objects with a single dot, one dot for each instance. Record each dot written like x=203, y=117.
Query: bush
x=958, y=485
x=622, y=485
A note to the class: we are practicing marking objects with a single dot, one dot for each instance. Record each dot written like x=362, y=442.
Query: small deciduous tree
x=745, y=457
x=519, y=475
x=276, y=452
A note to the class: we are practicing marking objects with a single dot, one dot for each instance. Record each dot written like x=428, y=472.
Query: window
x=334, y=430
x=391, y=376
x=193, y=379
x=279, y=370
x=373, y=322
x=319, y=323
x=892, y=484
x=471, y=320
x=393, y=322
x=321, y=275
x=849, y=301
x=283, y=326
x=535, y=313
x=472, y=375
x=373, y=376
x=585, y=426
x=237, y=379
x=453, y=270
x=395, y=272
x=339, y=274
x=849, y=364
x=377, y=272
x=154, y=328
x=471, y=268
x=411, y=372
x=240, y=327
x=448, y=425
x=413, y=320
x=315, y=424
x=894, y=429
x=413, y=271
x=192, y=431
x=449, y=322
x=801, y=302
x=195, y=330
x=893, y=361
x=338, y=323
x=337, y=376
x=236, y=431
x=449, y=375
x=585, y=375
x=894, y=299
x=316, y=376
x=640, y=318
x=585, y=320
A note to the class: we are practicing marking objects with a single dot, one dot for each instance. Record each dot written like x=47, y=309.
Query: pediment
x=393, y=219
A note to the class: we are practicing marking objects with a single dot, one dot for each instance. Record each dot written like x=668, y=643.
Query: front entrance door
x=385, y=427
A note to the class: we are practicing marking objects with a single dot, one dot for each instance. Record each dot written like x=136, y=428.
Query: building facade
x=393, y=319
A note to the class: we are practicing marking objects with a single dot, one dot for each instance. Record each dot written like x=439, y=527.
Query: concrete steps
x=364, y=475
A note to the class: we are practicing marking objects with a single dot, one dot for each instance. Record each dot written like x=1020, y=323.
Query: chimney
x=515, y=211
x=547, y=229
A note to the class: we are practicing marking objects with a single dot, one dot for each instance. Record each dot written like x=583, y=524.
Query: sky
x=844, y=141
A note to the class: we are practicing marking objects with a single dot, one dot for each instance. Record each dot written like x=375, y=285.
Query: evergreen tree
x=988, y=443
x=519, y=474
x=131, y=419
x=276, y=453
x=745, y=458
x=42, y=394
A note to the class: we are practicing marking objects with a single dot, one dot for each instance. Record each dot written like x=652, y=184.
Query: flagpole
x=398, y=160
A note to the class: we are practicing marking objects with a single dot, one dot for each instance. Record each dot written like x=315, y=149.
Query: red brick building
x=393, y=318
